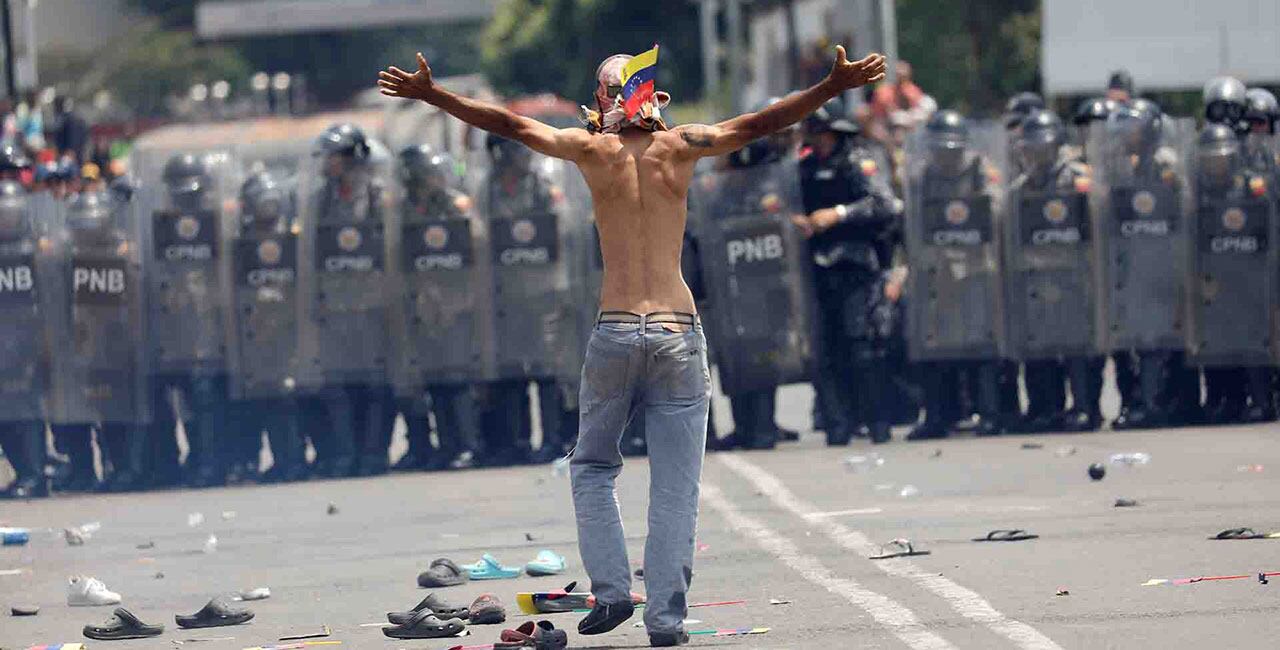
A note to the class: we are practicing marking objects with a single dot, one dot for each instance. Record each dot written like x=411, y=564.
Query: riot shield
x=187, y=200
x=953, y=240
x=1048, y=263
x=262, y=341
x=755, y=271
x=537, y=252
x=1139, y=232
x=441, y=316
x=343, y=251
x=102, y=367
x=1231, y=272
x=28, y=295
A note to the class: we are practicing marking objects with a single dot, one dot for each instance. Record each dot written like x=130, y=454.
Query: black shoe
x=788, y=435
x=122, y=481
x=603, y=618
x=927, y=431
x=1138, y=418
x=545, y=454
x=217, y=613
x=1045, y=423
x=76, y=483
x=206, y=477
x=668, y=639
x=880, y=433
x=409, y=463
x=1079, y=421
x=1226, y=412
x=987, y=427
x=122, y=625
x=763, y=440
x=373, y=465
x=839, y=438
x=28, y=488
x=1255, y=414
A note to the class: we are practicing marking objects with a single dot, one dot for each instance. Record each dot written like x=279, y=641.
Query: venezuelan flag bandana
x=625, y=95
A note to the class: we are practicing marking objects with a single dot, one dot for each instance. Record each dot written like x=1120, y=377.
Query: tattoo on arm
x=698, y=136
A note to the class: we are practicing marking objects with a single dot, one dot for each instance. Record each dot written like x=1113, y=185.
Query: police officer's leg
x=1226, y=394
x=1084, y=414
x=1183, y=386
x=936, y=378
x=340, y=445
x=1147, y=410
x=23, y=443
x=507, y=411
x=163, y=468
x=989, y=398
x=1010, y=406
x=1126, y=370
x=208, y=436
x=1261, y=408
x=869, y=379
x=834, y=366
x=1039, y=376
x=280, y=417
x=551, y=418
x=77, y=442
x=764, y=432
x=417, y=433
x=373, y=408
x=457, y=424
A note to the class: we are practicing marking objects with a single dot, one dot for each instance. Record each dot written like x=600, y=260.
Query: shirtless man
x=647, y=354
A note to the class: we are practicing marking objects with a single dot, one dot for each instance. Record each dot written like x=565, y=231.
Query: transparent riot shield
x=953, y=241
x=589, y=279
x=1231, y=267
x=262, y=341
x=536, y=252
x=1137, y=204
x=441, y=315
x=101, y=367
x=755, y=272
x=188, y=214
x=1048, y=262
x=343, y=253
x=28, y=296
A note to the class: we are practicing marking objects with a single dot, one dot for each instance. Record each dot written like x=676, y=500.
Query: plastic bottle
x=14, y=536
x=1131, y=459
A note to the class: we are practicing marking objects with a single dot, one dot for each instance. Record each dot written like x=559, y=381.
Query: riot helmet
x=1136, y=129
x=1019, y=107
x=262, y=198
x=509, y=155
x=1224, y=101
x=423, y=172
x=188, y=179
x=947, y=137
x=1218, y=155
x=344, y=147
x=13, y=210
x=1262, y=110
x=830, y=118
x=122, y=188
x=1094, y=110
x=89, y=214
x=1039, y=139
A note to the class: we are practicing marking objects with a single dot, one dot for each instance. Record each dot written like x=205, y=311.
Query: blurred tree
x=554, y=45
x=173, y=13
x=972, y=55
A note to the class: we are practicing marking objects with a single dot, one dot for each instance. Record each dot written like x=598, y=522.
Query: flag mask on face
x=624, y=95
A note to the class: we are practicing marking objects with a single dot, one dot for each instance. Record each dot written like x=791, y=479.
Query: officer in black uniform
x=425, y=176
x=854, y=220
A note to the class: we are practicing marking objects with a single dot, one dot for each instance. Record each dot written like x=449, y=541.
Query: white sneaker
x=83, y=591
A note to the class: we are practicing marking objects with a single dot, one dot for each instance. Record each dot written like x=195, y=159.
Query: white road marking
x=841, y=513
x=901, y=621
x=965, y=601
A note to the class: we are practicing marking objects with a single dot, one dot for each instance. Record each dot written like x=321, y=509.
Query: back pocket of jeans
x=604, y=371
x=678, y=372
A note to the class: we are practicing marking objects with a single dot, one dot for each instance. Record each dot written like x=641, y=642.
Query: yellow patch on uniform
x=1083, y=183
x=1258, y=186
x=770, y=202
x=869, y=168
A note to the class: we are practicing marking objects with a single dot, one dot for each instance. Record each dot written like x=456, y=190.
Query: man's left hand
x=846, y=74
x=824, y=219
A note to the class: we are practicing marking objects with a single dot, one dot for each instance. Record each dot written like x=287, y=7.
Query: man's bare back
x=639, y=179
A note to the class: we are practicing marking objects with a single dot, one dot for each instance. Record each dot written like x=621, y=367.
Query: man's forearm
x=788, y=111
x=482, y=115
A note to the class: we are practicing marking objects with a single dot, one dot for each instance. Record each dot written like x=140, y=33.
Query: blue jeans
x=647, y=370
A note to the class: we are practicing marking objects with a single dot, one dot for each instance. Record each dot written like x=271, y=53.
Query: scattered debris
x=1244, y=533
x=228, y=515
x=294, y=646
x=862, y=463
x=1097, y=471
x=1063, y=452
x=58, y=646
x=324, y=632
x=24, y=610
x=203, y=639
x=195, y=519
x=1032, y=445
x=332, y=509
x=937, y=453
x=900, y=547
x=908, y=491
x=779, y=601
x=1007, y=535
x=84, y=591
x=146, y=546
x=11, y=572
x=1062, y=592
x=14, y=536
x=210, y=545
x=528, y=537
x=1130, y=459
x=1260, y=576
x=1250, y=468
x=159, y=575
x=74, y=536
x=560, y=468
x=257, y=593
x=547, y=563
x=882, y=487
x=702, y=547
x=1126, y=503
x=731, y=632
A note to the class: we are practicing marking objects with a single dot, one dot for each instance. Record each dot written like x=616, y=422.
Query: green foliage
x=971, y=55
x=175, y=13
x=555, y=45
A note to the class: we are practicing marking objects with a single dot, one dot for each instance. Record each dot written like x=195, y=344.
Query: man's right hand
x=395, y=82
x=845, y=74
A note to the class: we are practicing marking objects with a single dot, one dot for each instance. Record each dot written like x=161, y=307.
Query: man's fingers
x=387, y=76
x=398, y=73
x=879, y=77
x=388, y=93
x=422, y=62
x=385, y=83
x=840, y=54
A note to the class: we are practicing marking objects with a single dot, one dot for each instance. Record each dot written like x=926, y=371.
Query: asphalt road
x=795, y=524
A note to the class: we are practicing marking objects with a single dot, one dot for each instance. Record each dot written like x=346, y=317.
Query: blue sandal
x=488, y=568
x=546, y=564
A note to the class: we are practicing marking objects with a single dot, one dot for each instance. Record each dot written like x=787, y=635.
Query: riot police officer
x=517, y=194
x=1225, y=103
x=954, y=326
x=21, y=418
x=438, y=314
x=263, y=344
x=346, y=305
x=852, y=220
x=1049, y=275
x=1019, y=107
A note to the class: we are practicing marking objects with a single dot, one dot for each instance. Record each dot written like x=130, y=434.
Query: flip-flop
x=436, y=605
x=1244, y=533
x=541, y=636
x=488, y=568
x=487, y=610
x=898, y=548
x=546, y=564
x=425, y=625
x=442, y=573
x=1006, y=535
x=554, y=602
x=217, y=613
x=122, y=625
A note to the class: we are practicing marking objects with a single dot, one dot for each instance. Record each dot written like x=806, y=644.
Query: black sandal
x=435, y=605
x=1243, y=533
x=215, y=614
x=1006, y=535
x=898, y=548
x=442, y=573
x=122, y=625
x=425, y=625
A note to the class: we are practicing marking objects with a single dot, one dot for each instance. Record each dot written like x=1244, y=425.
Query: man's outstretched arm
x=733, y=134
x=559, y=143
